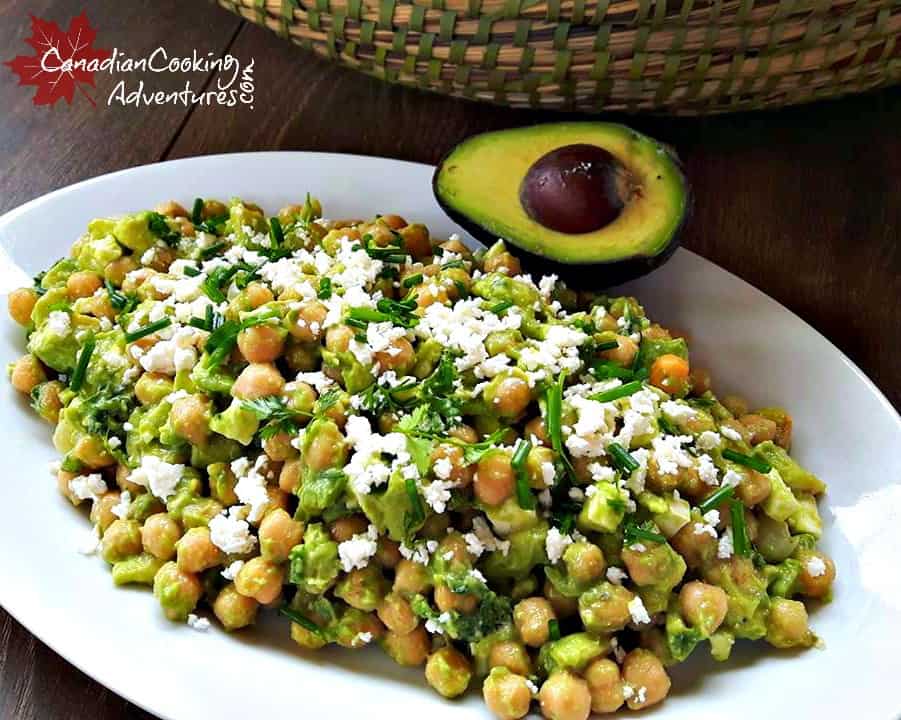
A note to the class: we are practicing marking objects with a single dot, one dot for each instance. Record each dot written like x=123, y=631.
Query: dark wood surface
x=803, y=203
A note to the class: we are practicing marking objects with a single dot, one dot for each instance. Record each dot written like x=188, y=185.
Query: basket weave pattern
x=676, y=56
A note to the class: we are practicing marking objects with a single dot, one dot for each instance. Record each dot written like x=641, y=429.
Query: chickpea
x=670, y=373
x=643, y=669
x=503, y=263
x=464, y=432
x=507, y=694
x=761, y=428
x=787, y=624
x=91, y=451
x=458, y=247
x=190, y=419
x=448, y=671
x=735, y=404
x=565, y=696
x=447, y=600
x=278, y=499
x=398, y=354
x=122, y=473
x=703, y=606
x=416, y=240
x=196, y=552
x=261, y=343
x=511, y=655
x=695, y=549
x=387, y=553
x=289, y=476
x=411, y=578
x=605, y=685
x=605, y=608
x=647, y=567
x=494, y=479
x=511, y=397
x=151, y=388
x=116, y=270
x=536, y=428
x=258, y=380
x=700, y=381
x=102, y=510
x=278, y=534
x=261, y=580
x=307, y=327
x=624, y=352
x=532, y=617
x=754, y=488
x=460, y=473
x=409, y=650
x=177, y=591
x=278, y=447
x=170, y=208
x=233, y=609
x=345, y=528
x=355, y=623
x=584, y=562
x=397, y=614
x=121, y=540
x=20, y=303
x=27, y=374
x=213, y=209
x=454, y=543
x=324, y=448
x=160, y=535
x=83, y=284
x=338, y=337
x=564, y=607
x=817, y=574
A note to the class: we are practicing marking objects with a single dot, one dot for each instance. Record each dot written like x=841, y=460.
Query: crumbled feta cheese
x=355, y=553
x=420, y=551
x=724, y=547
x=678, y=411
x=638, y=547
x=548, y=473
x=730, y=433
x=616, y=575
x=443, y=468
x=815, y=567
x=232, y=570
x=437, y=494
x=707, y=470
x=230, y=532
x=618, y=653
x=58, y=322
x=87, y=487
x=576, y=494
x=638, y=611
x=555, y=544
x=481, y=539
x=593, y=430
x=121, y=508
x=158, y=476
x=90, y=544
x=669, y=455
x=708, y=440
x=251, y=485
x=732, y=479
x=200, y=624
x=127, y=427
x=114, y=442
x=363, y=638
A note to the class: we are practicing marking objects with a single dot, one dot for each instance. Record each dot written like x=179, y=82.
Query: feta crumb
x=87, y=487
x=437, y=494
x=443, y=468
x=730, y=433
x=90, y=544
x=576, y=494
x=200, y=624
x=616, y=575
x=638, y=611
x=724, y=547
x=355, y=553
x=815, y=567
x=678, y=411
x=481, y=539
x=548, y=473
x=58, y=322
x=533, y=688
x=157, y=475
x=638, y=547
x=114, y=442
x=555, y=544
x=707, y=470
x=363, y=638
x=732, y=479
x=232, y=570
x=230, y=532
x=708, y=440
x=121, y=508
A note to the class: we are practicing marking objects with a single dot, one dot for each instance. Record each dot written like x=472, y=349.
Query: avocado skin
x=594, y=275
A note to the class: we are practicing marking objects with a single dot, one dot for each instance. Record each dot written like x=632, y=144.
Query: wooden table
x=803, y=203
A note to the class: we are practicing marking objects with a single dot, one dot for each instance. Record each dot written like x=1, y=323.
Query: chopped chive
x=81, y=367
x=416, y=514
x=299, y=619
x=360, y=337
x=618, y=392
x=276, y=234
x=606, y=370
x=220, y=277
x=622, y=458
x=199, y=323
x=212, y=250
x=633, y=533
x=353, y=322
x=209, y=316
x=524, y=495
x=712, y=501
x=191, y=271
x=197, y=211
x=501, y=306
x=553, y=629
x=554, y=403
x=118, y=300
x=366, y=314
x=566, y=523
x=147, y=330
x=755, y=463
x=397, y=258
x=607, y=345
x=741, y=544
x=325, y=288
x=452, y=264
x=412, y=280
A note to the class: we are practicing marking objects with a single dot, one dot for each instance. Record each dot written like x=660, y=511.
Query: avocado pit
x=575, y=189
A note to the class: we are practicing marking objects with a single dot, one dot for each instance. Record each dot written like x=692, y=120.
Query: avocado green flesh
x=479, y=183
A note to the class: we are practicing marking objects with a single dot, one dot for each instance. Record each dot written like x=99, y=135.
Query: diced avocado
x=389, y=510
x=354, y=375
x=143, y=506
x=796, y=477
x=604, y=510
x=134, y=232
x=241, y=218
x=655, y=504
x=780, y=504
x=146, y=437
x=95, y=254
x=57, y=275
x=212, y=380
x=139, y=569
x=314, y=563
x=651, y=349
x=526, y=551
x=721, y=643
x=363, y=589
x=509, y=517
x=676, y=516
x=572, y=652
x=218, y=449
x=783, y=627
x=200, y=512
x=236, y=422
x=427, y=355
x=53, y=299
x=746, y=592
x=774, y=541
x=597, y=202
x=499, y=287
x=481, y=649
x=319, y=490
x=680, y=639
x=806, y=519
x=58, y=351
x=783, y=578
x=101, y=227
x=108, y=361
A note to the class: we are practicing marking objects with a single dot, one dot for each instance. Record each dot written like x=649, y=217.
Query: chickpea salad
x=390, y=439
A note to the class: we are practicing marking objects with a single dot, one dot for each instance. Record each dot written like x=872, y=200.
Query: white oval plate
x=845, y=431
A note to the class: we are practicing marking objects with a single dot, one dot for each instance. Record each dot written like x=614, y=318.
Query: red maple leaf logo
x=62, y=61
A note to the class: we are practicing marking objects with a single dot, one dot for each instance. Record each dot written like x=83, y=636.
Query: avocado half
x=595, y=203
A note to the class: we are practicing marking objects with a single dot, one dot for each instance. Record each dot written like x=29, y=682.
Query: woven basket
x=681, y=56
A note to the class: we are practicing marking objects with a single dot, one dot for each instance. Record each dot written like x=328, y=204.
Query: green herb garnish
x=618, y=392
x=749, y=461
x=712, y=501
x=606, y=345
x=524, y=495
x=304, y=622
x=147, y=329
x=741, y=544
x=416, y=515
x=273, y=410
x=276, y=233
x=160, y=227
x=217, y=279
x=553, y=629
x=633, y=533
x=325, y=288
x=81, y=366
x=500, y=307
x=197, y=211
x=622, y=459
x=412, y=280
x=120, y=301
